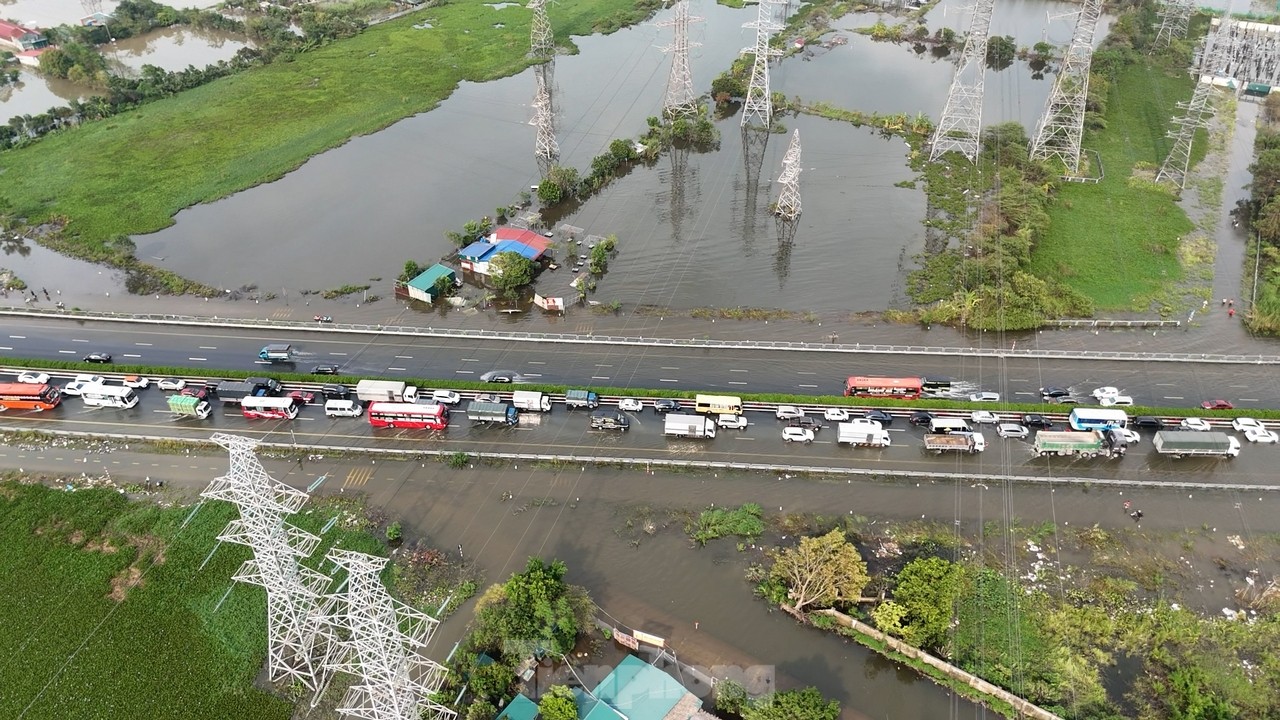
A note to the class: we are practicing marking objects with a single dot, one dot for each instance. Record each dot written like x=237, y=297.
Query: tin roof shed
x=423, y=287
x=520, y=708
x=478, y=250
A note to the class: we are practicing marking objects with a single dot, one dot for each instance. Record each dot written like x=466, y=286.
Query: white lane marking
x=67, y=352
x=1238, y=386
x=664, y=367
x=536, y=362
x=808, y=386
x=395, y=368
x=821, y=442
x=342, y=354
x=1174, y=397
x=666, y=380
x=404, y=357
x=207, y=347
x=469, y=360
x=199, y=359
x=1018, y=380
x=599, y=377
x=533, y=374
x=78, y=340
x=732, y=382
x=739, y=371
x=801, y=372
x=18, y=337
x=132, y=356
x=1165, y=384
x=1023, y=393
x=143, y=344
x=599, y=365
x=465, y=372
x=5, y=347
x=739, y=437
x=1248, y=399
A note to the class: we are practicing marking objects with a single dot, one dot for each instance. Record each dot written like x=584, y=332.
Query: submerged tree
x=820, y=571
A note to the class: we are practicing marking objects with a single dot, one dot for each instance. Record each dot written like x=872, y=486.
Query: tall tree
x=558, y=704
x=510, y=271
x=820, y=571
x=927, y=588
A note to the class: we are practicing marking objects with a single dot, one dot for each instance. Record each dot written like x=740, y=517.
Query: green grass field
x=73, y=651
x=131, y=173
x=1113, y=241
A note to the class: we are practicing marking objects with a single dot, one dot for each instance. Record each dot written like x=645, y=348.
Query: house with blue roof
x=635, y=690
x=476, y=256
x=423, y=286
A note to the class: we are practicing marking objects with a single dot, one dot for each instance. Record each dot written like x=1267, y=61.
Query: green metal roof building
x=635, y=690
x=423, y=287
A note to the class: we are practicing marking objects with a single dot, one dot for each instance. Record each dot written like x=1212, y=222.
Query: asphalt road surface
x=729, y=371
x=564, y=431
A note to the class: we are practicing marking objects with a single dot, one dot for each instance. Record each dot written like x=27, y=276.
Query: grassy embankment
x=1118, y=241
x=107, y=614
x=132, y=173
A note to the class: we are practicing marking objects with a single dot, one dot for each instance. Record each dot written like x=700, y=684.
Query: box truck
x=689, y=426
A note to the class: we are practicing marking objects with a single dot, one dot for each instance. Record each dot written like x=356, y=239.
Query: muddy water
x=51, y=13
x=429, y=174
x=34, y=94
x=173, y=48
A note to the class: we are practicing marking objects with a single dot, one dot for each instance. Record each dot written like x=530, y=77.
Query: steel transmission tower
x=91, y=7
x=758, y=108
x=546, y=149
x=789, y=200
x=680, y=100
x=960, y=126
x=1062, y=125
x=294, y=648
x=542, y=42
x=380, y=640
x=1174, y=15
x=1198, y=111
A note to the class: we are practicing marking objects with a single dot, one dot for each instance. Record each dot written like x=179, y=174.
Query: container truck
x=1107, y=443
x=487, y=412
x=190, y=406
x=386, y=391
x=581, y=399
x=232, y=392
x=1189, y=443
x=689, y=426
x=859, y=435
x=955, y=442
x=531, y=401
x=276, y=353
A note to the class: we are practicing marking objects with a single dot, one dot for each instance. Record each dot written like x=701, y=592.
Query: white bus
x=717, y=404
x=109, y=396
x=271, y=408
x=1087, y=418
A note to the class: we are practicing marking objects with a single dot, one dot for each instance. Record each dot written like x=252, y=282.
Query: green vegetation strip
x=780, y=398
x=130, y=174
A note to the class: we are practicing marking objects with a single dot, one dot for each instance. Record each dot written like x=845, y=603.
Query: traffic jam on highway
x=1103, y=430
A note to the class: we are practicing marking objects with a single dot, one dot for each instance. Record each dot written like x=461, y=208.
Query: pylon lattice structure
x=1197, y=111
x=758, y=108
x=789, y=200
x=294, y=647
x=546, y=149
x=960, y=126
x=380, y=640
x=542, y=42
x=91, y=7
x=680, y=100
x=1174, y=15
x=1062, y=124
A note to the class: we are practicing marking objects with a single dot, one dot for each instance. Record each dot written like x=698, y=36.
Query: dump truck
x=689, y=426
x=1188, y=443
x=1107, y=443
x=955, y=442
x=190, y=406
x=531, y=401
x=276, y=353
x=581, y=399
x=859, y=435
x=490, y=412
x=386, y=391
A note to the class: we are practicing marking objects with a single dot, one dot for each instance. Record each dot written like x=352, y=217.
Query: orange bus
x=26, y=396
x=906, y=388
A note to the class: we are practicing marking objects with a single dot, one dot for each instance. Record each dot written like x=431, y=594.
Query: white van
x=343, y=408
x=731, y=421
x=948, y=425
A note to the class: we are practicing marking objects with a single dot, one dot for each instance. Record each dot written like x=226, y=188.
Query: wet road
x=732, y=371
x=567, y=432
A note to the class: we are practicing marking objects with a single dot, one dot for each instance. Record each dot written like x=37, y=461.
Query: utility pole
x=680, y=100
x=1062, y=125
x=758, y=108
x=960, y=126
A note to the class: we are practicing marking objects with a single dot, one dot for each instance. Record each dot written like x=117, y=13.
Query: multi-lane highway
x=564, y=431
x=736, y=371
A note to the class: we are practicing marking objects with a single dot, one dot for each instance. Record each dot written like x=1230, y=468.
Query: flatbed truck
x=971, y=442
x=1178, y=444
x=1091, y=444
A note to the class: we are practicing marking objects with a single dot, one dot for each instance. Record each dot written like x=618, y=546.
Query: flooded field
x=34, y=94
x=172, y=48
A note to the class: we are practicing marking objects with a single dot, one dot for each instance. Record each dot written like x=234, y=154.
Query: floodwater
x=689, y=235
x=52, y=13
x=34, y=94
x=173, y=48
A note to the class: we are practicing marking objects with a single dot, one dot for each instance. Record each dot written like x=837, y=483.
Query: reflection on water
x=173, y=48
x=34, y=94
x=52, y=13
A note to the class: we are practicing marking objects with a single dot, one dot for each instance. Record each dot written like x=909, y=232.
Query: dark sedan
x=499, y=376
x=326, y=369
x=664, y=405
x=880, y=416
x=98, y=357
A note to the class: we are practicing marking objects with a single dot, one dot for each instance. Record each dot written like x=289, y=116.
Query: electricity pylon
x=546, y=149
x=1197, y=111
x=788, y=207
x=380, y=640
x=542, y=42
x=755, y=141
x=91, y=7
x=960, y=127
x=1174, y=15
x=1062, y=124
x=680, y=100
x=294, y=647
x=758, y=107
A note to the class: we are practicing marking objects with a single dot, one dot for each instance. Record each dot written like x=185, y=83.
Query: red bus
x=408, y=415
x=906, y=388
x=25, y=396
x=269, y=408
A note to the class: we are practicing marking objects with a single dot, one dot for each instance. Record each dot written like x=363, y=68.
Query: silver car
x=1012, y=430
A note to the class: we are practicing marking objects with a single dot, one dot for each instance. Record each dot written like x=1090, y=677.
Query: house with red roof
x=19, y=39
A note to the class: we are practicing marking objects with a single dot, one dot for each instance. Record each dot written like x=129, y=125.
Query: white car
x=788, y=412
x=984, y=416
x=731, y=421
x=1012, y=430
x=1130, y=436
x=1246, y=424
x=171, y=384
x=866, y=425
x=445, y=397
x=835, y=415
x=630, y=405
x=796, y=434
x=35, y=378
x=1260, y=435
x=1194, y=423
x=985, y=397
x=135, y=381
x=1105, y=392
x=90, y=379
x=75, y=387
x=1115, y=401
